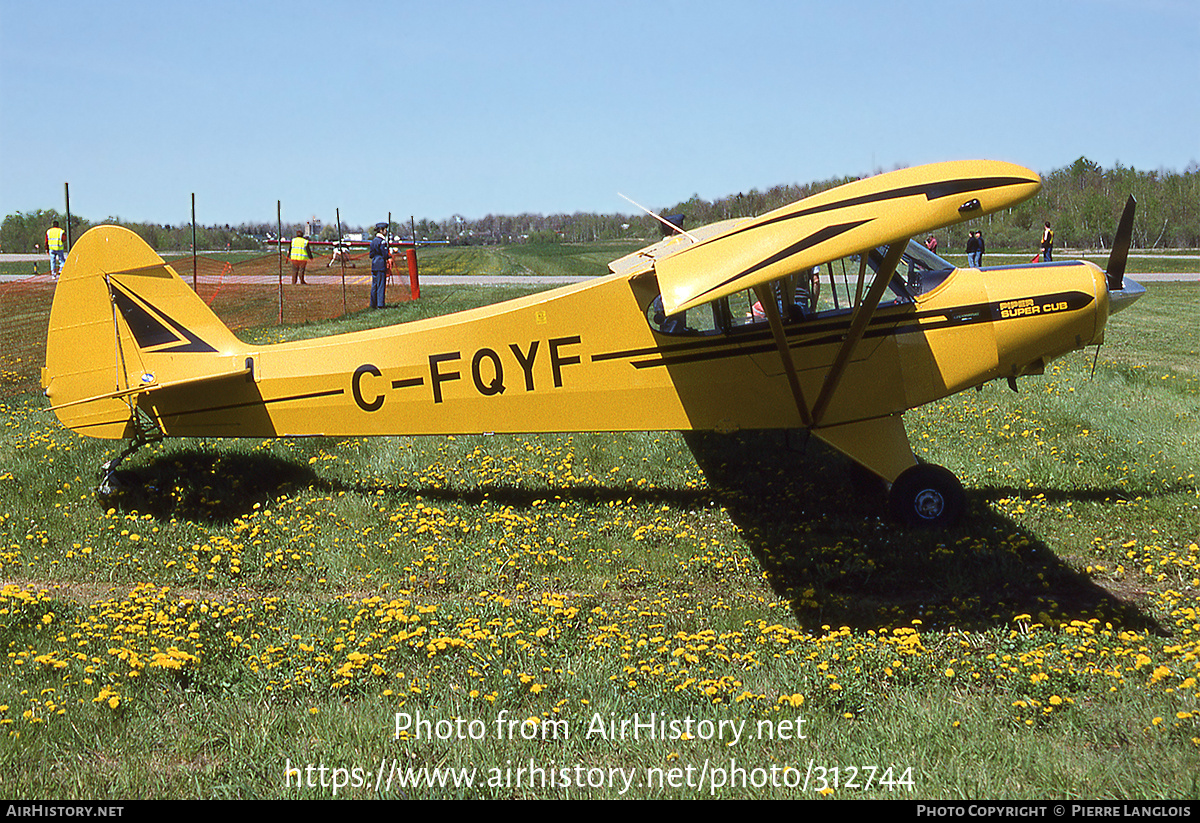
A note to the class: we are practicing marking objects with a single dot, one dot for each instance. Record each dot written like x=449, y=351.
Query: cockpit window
x=832, y=288
x=698, y=321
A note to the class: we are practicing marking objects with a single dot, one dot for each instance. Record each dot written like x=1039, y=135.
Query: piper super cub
x=720, y=328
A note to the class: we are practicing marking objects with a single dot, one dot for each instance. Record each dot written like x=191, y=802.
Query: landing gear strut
x=926, y=496
x=109, y=484
x=143, y=432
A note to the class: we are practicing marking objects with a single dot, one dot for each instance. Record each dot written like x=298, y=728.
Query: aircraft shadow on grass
x=812, y=521
x=814, y=525
x=207, y=486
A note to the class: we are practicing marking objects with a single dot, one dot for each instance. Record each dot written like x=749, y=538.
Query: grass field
x=646, y=615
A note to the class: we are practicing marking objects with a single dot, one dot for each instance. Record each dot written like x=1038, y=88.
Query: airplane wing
x=875, y=211
x=642, y=261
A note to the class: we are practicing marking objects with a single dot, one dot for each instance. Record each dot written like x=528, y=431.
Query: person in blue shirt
x=379, y=258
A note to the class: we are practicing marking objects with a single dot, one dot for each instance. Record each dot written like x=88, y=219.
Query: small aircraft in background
x=717, y=328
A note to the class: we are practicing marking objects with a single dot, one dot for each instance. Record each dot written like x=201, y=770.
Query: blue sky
x=437, y=108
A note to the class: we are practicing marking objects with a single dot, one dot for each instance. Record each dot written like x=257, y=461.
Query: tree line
x=25, y=232
x=1082, y=202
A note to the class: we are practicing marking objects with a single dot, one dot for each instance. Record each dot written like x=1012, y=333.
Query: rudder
x=122, y=324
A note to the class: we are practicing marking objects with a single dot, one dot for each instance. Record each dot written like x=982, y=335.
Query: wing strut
x=862, y=277
x=770, y=305
x=858, y=326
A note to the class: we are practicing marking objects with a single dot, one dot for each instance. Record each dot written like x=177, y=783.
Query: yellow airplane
x=821, y=315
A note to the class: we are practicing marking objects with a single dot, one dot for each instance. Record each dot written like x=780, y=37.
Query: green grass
x=540, y=259
x=435, y=301
x=246, y=605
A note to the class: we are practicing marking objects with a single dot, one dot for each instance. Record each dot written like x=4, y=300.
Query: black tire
x=927, y=496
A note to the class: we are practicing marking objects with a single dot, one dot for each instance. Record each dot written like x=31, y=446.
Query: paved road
x=356, y=279
x=361, y=277
x=485, y=279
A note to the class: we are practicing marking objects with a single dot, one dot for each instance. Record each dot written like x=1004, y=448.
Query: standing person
x=1047, y=244
x=972, y=250
x=931, y=244
x=979, y=249
x=57, y=246
x=300, y=255
x=379, y=258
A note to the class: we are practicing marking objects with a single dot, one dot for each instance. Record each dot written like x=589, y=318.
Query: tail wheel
x=927, y=496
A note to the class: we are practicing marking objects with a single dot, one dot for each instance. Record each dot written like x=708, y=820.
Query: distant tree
x=1083, y=201
x=20, y=233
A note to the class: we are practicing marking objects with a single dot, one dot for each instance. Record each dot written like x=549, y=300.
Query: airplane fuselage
x=586, y=358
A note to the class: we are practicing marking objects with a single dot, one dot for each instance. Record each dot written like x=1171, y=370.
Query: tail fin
x=124, y=324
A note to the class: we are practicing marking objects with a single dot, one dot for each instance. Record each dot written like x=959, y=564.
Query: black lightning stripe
x=932, y=191
x=815, y=239
x=152, y=327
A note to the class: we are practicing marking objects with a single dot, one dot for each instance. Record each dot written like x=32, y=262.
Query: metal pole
x=67, y=193
x=341, y=253
x=279, y=230
x=194, y=288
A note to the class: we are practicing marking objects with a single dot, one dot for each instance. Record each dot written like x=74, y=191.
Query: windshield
x=920, y=270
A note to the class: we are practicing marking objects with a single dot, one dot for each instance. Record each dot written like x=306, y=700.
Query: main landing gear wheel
x=927, y=496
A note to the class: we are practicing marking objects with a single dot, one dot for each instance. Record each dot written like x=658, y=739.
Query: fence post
x=279, y=234
x=341, y=253
x=194, y=286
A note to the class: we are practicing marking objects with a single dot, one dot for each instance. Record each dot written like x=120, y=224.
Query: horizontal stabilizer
x=151, y=387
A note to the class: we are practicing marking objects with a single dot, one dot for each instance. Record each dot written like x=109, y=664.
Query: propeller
x=1120, y=249
x=1122, y=292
